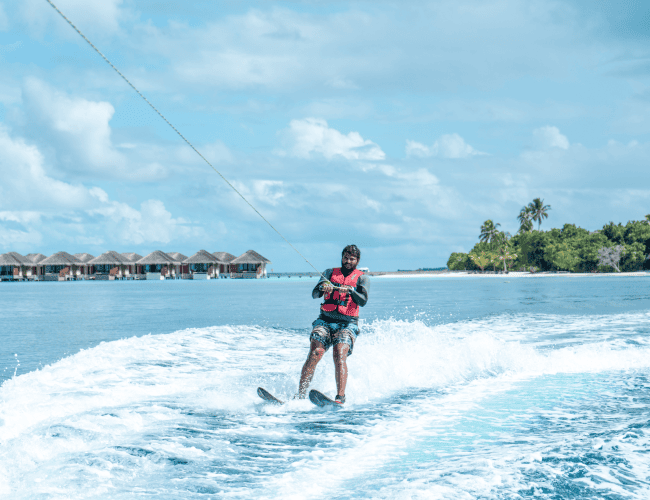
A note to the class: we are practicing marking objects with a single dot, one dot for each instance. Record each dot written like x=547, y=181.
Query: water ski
x=320, y=399
x=267, y=396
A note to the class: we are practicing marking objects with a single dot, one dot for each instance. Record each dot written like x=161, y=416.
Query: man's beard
x=346, y=270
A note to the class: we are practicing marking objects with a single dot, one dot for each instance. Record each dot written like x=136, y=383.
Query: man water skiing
x=344, y=289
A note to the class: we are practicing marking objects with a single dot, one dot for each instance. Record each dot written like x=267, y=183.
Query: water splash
x=177, y=415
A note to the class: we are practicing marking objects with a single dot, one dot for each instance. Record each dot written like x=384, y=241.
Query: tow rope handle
x=335, y=287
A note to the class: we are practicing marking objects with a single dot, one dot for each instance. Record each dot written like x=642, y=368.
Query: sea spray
x=177, y=416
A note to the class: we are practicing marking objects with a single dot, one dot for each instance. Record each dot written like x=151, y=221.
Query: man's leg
x=341, y=367
x=316, y=351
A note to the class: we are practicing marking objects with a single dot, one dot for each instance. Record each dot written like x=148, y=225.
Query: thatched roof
x=250, y=257
x=110, y=258
x=35, y=257
x=6, y=259
x=60, y=259
x=224, y=257
x=201, y=257
x=177, y=256
x=132, y=256
x=84, y=257
x=23, y=260
x=156, y=257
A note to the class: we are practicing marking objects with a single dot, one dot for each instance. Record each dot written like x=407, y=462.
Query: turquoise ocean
x=459, y=388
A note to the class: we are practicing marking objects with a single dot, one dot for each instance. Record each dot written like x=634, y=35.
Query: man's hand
x=345, y=289
x=327, y=287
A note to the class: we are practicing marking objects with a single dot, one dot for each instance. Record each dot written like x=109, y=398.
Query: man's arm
x=360, y=293
x=317, y=293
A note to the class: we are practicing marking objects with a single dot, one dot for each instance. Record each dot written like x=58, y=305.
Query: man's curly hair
x=352, y=250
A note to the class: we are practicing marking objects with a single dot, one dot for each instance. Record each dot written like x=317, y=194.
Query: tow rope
x=184, y=138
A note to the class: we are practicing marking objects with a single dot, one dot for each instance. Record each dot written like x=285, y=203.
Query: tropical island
x=614, y=248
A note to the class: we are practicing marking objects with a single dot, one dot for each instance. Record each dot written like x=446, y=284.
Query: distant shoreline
x=514, y=274
x=429, y=274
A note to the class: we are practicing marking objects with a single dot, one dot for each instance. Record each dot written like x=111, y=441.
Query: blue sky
x=400, y=128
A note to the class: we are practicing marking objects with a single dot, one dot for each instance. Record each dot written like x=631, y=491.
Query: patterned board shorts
x=330, y=334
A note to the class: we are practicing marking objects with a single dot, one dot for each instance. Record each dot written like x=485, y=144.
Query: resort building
x=63, y=266
x=132, y=258
x=251, y=262
x=224, y=259
x=154, y=263
x=110, y=264
x=179, y=267
x=203, y=262
x=13, y=266
x=35, y=259
x=86, y=258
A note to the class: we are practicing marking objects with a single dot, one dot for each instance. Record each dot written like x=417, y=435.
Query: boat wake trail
x=502, y=407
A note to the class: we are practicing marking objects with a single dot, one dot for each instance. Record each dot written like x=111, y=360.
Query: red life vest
x=342, y=301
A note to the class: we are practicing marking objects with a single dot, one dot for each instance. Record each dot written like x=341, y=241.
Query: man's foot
x=340, y=399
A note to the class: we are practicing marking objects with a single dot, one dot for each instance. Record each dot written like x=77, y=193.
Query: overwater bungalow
x=13, y=266
x=224, y=259
x=86, y=258
x=62, y=263
x=111, y=264
x=251, y=263
x=155, y=261
x=35, y=258
x=21, y=270
x=133, y=257
x=203, y=262
x=179, y=258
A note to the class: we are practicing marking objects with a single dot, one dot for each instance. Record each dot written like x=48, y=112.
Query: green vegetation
x=614, y=248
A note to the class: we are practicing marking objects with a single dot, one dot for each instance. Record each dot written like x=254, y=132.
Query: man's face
x=349, y=261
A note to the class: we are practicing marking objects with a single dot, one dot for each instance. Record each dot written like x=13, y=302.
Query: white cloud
x=99, y=17
x=271, y=191
x=370, y=203
x=576, y=165
x=22, y=217
x=454, y=146
x=83, y=125
x=261, y=192
x=80, y=132
x=26, y=185
x=32, y=198
x=385, y=47
x=446, y=146
x=550, y=137
x=153, y=223
x=11, y=239
x=419, y=178
x=419, y=150
x=99, y=193
x=312, y=136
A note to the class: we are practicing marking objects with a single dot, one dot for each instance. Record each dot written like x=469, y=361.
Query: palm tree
x=503, y=242
x=489, y=231
x=524, y=218
x=538, y=211
x=482, y=259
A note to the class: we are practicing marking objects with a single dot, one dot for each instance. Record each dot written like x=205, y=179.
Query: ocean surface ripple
x=501, y=404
